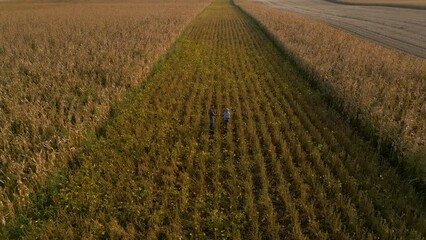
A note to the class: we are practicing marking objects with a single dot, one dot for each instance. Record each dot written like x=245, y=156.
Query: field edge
x=55, y=179
x=409, y=166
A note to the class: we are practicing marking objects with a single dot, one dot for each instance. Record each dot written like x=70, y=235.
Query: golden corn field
x=61, y=68
x=379, y=88
x=286, y=167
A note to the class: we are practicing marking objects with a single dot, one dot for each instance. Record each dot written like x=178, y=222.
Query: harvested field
x=286, y=166
x=391, y=3
x=406, y=32
x=62, y=65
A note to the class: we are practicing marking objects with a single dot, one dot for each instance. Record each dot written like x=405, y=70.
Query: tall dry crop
x=285, y=167
x=379, y=87
x=61, y=68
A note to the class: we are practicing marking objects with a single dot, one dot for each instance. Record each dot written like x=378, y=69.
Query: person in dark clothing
x=211, y=116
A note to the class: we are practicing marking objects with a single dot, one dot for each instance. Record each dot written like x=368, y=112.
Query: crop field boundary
x=70, y=77
x=130, y=95
x=42, y=196
x=286, y=165
x=365, y=129
x=296, y=63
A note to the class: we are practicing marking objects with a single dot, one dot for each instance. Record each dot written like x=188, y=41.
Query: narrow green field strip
x=286, y=167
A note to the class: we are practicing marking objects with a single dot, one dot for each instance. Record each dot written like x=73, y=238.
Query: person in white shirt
x=226, y=116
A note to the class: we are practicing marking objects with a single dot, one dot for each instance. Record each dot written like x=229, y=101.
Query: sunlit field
x=62, y=65
x=378, y=89
x=287, y=166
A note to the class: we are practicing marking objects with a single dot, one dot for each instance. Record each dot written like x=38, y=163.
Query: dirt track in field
x=400, y=28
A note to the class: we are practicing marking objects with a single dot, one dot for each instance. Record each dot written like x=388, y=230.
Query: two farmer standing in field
x=226, y=117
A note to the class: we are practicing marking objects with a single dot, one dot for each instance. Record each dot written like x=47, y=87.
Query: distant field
x=419, y=2
x=406, y=32
x=414, y=3
x=61, y=68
